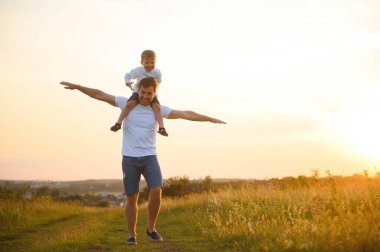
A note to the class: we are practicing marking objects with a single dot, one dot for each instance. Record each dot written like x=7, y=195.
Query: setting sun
x=357, y=125
x=362, y=132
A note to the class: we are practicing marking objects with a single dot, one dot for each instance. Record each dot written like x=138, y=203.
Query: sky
x=297, y=82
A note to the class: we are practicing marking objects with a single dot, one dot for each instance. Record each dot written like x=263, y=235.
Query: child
x=148, y=61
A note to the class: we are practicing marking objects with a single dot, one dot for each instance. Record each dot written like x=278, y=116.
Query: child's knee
x=132, y=103
x=155, y=106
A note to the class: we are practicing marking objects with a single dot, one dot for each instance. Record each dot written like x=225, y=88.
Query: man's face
x=148, y=64
x=146, y=95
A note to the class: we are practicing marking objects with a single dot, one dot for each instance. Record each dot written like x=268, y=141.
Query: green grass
x=332, y=217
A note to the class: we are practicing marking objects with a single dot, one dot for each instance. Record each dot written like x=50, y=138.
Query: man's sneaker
x=154, y=236
x=131, y=241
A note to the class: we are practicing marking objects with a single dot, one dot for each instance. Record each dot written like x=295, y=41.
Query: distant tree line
x=181, y=186
x=24, y=192
x=173, y=187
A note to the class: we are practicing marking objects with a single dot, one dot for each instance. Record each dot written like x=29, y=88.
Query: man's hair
x=148, y=82
x=148, y=54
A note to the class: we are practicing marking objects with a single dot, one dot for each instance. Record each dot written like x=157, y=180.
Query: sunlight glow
x=360, y=124
x=362, y=132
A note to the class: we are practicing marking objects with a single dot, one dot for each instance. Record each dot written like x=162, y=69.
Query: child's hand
x=129, y=84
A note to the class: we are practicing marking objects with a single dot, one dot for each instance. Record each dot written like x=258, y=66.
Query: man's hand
x=92, y=92
x=214, y=120
x=192, y=116
x=69, y=85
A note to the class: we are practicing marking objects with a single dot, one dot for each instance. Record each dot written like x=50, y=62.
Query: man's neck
x=143, y=104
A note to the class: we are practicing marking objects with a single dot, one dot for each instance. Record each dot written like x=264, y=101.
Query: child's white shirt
x=140, y=73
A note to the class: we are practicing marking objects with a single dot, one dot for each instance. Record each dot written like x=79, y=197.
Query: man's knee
x=132, y=199
x=155, y=191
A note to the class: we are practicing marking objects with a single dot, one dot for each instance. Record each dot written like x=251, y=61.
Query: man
x=139, y=149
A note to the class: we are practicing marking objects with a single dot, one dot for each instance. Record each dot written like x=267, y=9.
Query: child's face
x=148, y=64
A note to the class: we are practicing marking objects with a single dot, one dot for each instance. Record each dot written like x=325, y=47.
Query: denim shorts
x=133, y=167
x=135, y=96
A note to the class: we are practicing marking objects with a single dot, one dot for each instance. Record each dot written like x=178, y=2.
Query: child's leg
x=124, y=112
x=130, y=105
x=157, y=113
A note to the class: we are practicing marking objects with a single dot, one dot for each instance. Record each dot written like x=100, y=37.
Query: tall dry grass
x=332, y=217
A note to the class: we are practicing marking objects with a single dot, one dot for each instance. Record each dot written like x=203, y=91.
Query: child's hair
x=148, y=54
x=148, y=82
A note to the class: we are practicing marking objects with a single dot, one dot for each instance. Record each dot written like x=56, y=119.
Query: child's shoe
x=162, y=131
x=116, y=127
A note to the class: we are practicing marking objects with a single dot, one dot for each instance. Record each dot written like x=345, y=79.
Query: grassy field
x=334, y=216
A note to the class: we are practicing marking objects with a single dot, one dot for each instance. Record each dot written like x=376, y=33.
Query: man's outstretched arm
x=192, y=116
x=93, y=93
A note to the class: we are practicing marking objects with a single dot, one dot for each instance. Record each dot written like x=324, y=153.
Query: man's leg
x=131, y=211
x=153, y=177
x=154, y=206
x=131, y=178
